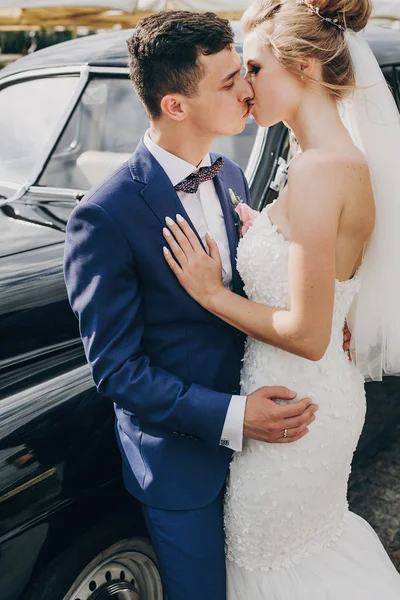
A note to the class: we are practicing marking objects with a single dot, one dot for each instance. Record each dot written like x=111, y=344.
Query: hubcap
x=116, y=591
x=128, y=575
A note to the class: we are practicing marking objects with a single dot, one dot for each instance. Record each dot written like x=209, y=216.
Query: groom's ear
x=172, y=106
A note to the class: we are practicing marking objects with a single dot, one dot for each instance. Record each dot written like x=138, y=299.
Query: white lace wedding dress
x=289, y=533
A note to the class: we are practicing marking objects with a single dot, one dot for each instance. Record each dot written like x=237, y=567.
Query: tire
x=104, y=564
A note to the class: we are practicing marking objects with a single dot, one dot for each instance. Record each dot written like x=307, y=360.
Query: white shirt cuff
x=232, y=432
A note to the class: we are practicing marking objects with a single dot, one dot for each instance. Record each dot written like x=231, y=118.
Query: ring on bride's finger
x=285, y=433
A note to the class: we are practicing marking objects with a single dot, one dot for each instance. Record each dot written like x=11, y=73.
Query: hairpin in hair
x=315, y=9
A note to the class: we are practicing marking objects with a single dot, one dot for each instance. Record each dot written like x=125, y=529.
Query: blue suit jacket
x=169, y=366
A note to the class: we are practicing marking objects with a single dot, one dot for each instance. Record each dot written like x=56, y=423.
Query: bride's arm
x=314, y=205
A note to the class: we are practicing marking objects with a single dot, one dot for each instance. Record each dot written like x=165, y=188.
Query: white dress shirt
x=205, y=212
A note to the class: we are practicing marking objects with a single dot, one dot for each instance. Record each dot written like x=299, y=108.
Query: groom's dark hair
x=164, y=49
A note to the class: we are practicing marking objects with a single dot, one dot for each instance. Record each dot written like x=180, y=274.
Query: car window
x=105, y=129
x=29, y=113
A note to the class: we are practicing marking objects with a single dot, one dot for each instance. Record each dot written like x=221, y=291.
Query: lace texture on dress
x=287, y=501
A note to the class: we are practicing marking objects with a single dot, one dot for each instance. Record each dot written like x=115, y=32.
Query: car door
x=40, y=353
x=33, y=108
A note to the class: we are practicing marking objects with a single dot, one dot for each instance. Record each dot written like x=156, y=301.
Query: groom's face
x=223, y=100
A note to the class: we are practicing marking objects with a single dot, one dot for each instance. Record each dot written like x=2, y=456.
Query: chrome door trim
x=46, y=72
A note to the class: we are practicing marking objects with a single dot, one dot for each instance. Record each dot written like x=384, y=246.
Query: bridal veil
x=372, y=118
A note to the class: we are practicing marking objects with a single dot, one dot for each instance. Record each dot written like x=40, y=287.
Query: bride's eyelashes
x=253, y=69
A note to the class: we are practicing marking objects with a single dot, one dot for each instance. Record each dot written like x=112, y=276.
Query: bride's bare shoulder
x=338, y=174
x=315, y=175
x=340, y=181
x=322, y=162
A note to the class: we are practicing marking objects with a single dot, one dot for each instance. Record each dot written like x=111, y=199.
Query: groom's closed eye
x=230, y=80
x=230, y=86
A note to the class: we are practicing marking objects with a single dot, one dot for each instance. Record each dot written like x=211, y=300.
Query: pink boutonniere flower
x=244, y=214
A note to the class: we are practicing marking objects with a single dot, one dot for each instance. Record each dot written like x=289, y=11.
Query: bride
x=323, y=252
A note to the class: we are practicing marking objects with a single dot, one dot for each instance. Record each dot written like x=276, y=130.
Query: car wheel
x=96, y=567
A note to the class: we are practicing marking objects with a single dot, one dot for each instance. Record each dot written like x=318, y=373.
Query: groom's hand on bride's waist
x=346, y=339
x=267, y=421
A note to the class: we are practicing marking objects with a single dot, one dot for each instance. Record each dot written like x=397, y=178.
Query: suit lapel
x=231, y=229
x=158, y=191
x=162, y=199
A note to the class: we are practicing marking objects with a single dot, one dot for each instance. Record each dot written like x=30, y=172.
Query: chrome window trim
x=86, y=73
x=256, y=154
x=83, y=74
x=109, y=70
x=55, y=191
x=10, y=185
x=44, y=71
x=48, y=150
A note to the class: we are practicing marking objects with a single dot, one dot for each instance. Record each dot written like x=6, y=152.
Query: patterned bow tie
x=190, y=185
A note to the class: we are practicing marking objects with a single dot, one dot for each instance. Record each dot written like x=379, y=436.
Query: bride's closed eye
x=253, y=69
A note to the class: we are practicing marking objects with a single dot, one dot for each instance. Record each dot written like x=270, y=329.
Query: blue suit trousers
x=189, y=545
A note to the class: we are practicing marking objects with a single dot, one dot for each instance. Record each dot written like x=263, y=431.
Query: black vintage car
x=68, y=117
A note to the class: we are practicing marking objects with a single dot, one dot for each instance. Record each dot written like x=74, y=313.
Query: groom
x=171, y=368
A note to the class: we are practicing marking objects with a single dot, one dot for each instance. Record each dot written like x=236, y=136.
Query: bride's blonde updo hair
x=298, y=30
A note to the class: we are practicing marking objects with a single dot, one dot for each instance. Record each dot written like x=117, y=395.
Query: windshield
x=30, y=111
x=105, y=129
